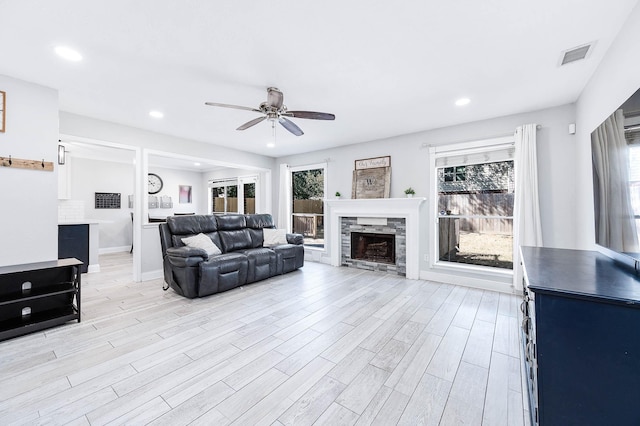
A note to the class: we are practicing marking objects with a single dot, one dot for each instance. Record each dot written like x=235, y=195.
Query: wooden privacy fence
x=308, y=206
x=308, y=218
x=308, y=224
x=232, y=205
x=482, y=204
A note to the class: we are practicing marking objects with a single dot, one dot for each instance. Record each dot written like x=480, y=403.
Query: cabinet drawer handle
x=531, y=376
x=523, y=307
x=531, y=350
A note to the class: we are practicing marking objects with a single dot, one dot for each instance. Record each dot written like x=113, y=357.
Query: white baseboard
x=152, y=275
x=482, y=284
x=107, y=250
x=93, y=268
x=323, y=260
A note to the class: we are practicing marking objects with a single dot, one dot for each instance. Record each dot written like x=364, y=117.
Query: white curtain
x=615, y=221
x=527, y=230
x=284, y=198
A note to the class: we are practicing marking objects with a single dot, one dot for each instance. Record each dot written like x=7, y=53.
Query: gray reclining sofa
x=191, y=272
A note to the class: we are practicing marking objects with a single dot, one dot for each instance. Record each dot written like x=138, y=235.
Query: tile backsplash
x=70, y=210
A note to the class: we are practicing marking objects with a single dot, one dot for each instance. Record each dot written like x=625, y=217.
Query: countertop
x=84, y=222
x=582, y=274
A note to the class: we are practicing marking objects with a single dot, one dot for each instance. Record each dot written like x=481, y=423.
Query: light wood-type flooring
x=321, y=345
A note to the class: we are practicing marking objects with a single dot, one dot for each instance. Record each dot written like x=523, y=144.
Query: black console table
x=580, y=338
x=40, y=295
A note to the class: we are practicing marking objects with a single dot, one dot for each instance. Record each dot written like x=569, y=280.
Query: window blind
x=491, y=154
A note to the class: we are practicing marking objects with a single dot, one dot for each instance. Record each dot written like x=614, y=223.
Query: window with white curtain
x=308, y=190
x=472, y=203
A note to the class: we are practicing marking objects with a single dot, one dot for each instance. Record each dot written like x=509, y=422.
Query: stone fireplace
x=397, y=219
x=375, y=244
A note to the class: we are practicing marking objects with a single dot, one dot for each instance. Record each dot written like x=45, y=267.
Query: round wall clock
x=155, y=183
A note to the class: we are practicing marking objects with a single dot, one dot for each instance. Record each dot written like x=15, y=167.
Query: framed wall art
x=184, y=196
x=372, y=178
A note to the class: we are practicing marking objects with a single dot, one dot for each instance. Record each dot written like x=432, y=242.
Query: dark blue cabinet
x=73, y=241
x=581, y=338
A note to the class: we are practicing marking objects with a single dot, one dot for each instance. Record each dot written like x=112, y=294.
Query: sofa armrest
x=297, y=239
x=186, y=256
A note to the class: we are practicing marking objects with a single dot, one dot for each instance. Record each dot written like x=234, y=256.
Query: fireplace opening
x=372, y=247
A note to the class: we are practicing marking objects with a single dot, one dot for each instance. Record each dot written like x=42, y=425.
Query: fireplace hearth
x=373, y=247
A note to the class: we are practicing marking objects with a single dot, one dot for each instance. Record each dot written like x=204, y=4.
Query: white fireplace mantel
x=407, y=208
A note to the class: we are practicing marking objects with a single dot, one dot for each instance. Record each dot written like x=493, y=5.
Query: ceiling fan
x=274, y=110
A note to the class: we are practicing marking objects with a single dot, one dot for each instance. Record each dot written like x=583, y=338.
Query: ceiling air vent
x=575, y=54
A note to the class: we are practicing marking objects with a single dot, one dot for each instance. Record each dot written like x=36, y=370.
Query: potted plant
x=338, y=195
x=410, y=192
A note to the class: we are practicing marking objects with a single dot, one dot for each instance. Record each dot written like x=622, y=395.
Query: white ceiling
x=383, y=68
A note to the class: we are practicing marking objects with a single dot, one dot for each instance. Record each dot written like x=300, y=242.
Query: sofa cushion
x=203, y=242
x=255, y=224
x=289, y=258
x=235, y=240
x=262, y=263
x=274, y=237
x=176, y=240
x=222, y=273
x=192, y=225
x=229, y=222
x=259, y=221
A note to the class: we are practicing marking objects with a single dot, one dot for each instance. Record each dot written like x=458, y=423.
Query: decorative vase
x=409, y=195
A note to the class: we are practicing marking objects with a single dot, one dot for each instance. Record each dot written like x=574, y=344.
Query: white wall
x=29, y=214
x=617, y=78
x=90, y=176
x=172, y=179
x=409, y=165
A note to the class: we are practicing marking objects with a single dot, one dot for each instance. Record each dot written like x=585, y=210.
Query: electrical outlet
x=426, y=257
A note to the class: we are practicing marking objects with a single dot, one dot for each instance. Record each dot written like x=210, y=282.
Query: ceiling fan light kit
x=275, y=110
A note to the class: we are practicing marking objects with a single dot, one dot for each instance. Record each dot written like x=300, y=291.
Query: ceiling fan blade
x=290, y=126
x=252, y=123
x=274, y=98
x=311, y=114
x=231, y=106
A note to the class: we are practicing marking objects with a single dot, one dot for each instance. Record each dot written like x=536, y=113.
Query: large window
x=474, y=193
x=236, y=195
x=308, y=191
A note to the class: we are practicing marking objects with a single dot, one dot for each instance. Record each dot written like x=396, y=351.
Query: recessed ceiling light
x=68, y=53
x=463, y=101
x=156, y=114
x=196, y=164
x=271, y=145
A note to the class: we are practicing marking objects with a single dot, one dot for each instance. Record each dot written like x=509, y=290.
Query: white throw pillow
x=274, y=237
x=203, y=242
